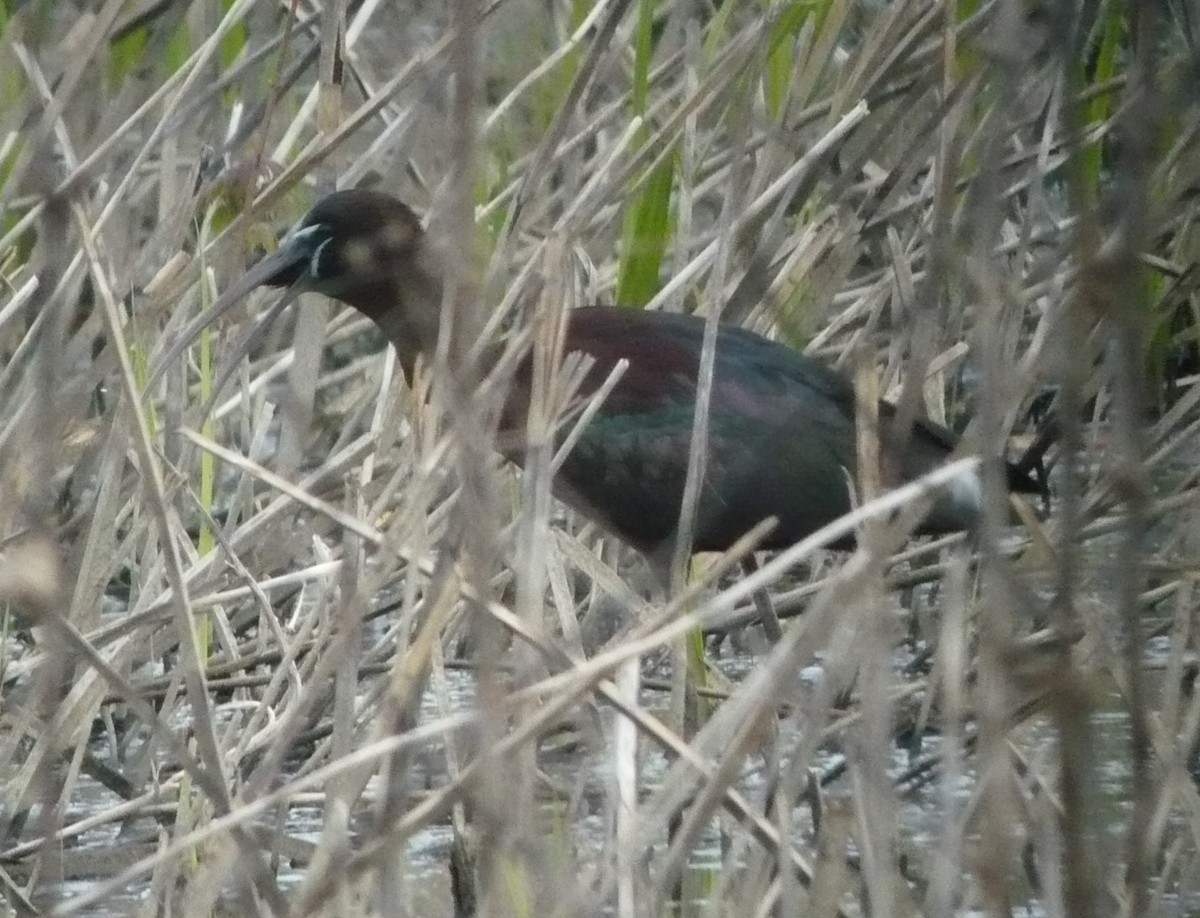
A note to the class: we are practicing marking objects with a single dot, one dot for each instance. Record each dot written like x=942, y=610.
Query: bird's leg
x=605, y=618
x=689, y=671
x=767, y=616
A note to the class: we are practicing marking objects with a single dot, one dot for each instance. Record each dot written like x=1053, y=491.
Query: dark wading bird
x=782, y=425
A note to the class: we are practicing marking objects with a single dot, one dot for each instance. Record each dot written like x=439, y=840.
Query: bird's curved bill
x=281, y=262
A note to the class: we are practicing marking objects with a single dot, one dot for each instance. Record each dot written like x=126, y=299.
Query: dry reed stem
x=910, y=180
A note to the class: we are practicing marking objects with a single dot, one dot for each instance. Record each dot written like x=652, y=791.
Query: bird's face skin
x=357, y=246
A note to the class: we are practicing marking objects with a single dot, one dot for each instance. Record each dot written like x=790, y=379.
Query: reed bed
x=304, y=645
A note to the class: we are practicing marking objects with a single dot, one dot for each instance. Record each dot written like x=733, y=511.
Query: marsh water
x=102, y=852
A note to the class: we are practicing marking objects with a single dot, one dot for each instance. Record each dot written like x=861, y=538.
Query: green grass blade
x=645, y=235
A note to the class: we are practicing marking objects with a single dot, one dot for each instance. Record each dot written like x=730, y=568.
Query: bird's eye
x=315, y=239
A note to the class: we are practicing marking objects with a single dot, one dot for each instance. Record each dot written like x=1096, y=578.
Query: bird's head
x=353, y=246
x=363, y=247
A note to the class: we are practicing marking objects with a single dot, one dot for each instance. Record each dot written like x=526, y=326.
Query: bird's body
x=782, y=439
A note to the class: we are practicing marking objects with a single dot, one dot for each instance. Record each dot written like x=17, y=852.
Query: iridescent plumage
x=782, y=430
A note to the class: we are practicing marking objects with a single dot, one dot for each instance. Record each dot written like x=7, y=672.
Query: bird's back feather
x=781, y=442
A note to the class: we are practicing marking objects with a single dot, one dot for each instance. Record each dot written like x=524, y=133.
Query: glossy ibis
x=782, y=425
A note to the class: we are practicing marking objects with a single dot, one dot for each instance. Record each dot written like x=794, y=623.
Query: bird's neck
x=406, y=307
